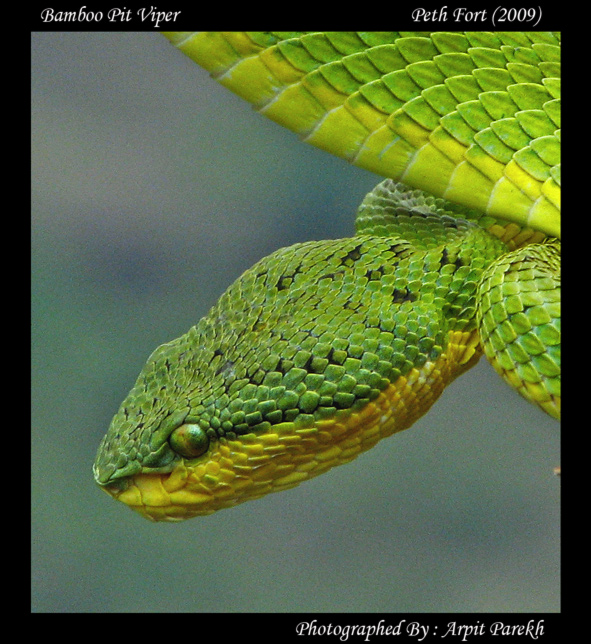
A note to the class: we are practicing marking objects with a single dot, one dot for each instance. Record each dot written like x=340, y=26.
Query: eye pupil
x=189, y=441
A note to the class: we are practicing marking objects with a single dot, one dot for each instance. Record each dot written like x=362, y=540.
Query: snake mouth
x=162, y=496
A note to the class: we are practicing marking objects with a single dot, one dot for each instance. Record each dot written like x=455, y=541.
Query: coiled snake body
x=324, y=348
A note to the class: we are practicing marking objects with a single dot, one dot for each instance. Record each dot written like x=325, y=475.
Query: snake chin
x=160, y=496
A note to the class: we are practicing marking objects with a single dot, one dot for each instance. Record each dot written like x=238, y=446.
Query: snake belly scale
x=324, y=348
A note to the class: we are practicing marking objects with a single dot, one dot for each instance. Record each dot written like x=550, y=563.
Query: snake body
x=324, y=348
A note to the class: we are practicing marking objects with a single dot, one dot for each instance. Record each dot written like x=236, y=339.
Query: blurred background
x=153, y=188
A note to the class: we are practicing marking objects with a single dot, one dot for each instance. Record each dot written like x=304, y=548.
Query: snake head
x=307, y=360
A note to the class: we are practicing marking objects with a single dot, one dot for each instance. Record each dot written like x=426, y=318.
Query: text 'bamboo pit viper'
x=324, y=348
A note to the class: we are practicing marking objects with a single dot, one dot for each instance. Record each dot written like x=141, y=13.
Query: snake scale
x=324, y=348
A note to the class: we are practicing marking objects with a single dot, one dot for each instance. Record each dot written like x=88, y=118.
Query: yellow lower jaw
x=234, y=471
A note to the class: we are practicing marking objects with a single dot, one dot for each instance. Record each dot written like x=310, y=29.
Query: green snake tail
x=483, y=108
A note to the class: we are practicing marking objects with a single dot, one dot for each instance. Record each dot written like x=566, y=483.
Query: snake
x=324, y=348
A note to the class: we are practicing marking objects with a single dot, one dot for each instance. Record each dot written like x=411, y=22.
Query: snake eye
x=189, y=441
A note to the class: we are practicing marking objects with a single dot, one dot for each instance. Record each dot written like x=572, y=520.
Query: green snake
x=324, y=348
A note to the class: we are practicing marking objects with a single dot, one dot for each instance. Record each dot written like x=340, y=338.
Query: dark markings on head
x=403, y=295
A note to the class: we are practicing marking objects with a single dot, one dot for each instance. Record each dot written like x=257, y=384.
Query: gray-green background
x=152, y=189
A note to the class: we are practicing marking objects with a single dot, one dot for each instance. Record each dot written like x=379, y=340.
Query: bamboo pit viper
x=324, y=348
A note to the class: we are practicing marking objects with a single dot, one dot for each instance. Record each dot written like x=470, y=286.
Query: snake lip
x=114, y=488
